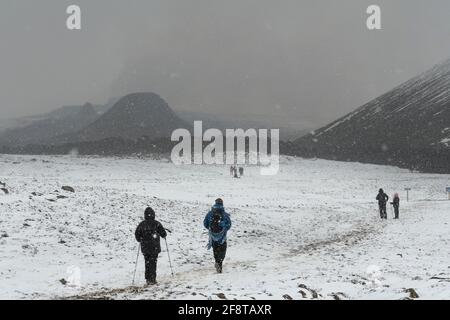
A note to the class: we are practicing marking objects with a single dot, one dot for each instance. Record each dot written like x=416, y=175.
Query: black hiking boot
x=218, y=267
x=151, y=283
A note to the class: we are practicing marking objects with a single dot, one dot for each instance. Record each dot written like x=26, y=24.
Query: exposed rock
x=412, y=293
x=221, y=296
x=338, y=296
x=63, y=281
x=5, y=190
x=68, y=189
x=287, y=297
x=313, y=292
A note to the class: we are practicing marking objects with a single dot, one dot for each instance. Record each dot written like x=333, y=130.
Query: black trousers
x=220, y=250
x=383, y=212
x=397, y=211
x=150, y=266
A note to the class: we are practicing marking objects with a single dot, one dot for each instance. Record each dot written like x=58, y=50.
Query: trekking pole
x=135, y=265
x=168, y=254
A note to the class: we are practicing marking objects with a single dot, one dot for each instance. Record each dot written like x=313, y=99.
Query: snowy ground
x=312, y=231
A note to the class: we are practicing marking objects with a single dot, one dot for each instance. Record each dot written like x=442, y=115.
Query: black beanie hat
x=219, y=201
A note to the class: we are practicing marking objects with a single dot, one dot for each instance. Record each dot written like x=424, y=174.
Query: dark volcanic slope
x=408, y=127
x=63, y=121
x=134, y=116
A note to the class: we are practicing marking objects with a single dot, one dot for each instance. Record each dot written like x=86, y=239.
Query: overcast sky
x=308, y=61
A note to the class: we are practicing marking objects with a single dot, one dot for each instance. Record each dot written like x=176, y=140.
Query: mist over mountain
x=223, y=122
x=408, y=126
x=44, y=129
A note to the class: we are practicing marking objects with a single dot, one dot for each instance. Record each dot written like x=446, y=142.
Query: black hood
x=149, y=214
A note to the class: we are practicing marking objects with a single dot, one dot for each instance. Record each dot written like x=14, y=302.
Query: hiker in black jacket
x=382, y=200
x=148, y=233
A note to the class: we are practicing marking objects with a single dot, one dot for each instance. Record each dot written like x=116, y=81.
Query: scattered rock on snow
x=221, y=296
x=412, y=293
x=32, y=249
x=5, y=191
x=338, y=296
x=313, y=292
x=68, y=189
x=287, y=297
x=4, y=235
x=63, y=281
x=61, y=197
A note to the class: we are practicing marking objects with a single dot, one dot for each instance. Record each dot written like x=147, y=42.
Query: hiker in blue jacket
x=218, y=222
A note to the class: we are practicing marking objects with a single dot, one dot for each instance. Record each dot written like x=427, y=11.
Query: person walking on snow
x=382, y=200
x=218, y=222
x=148, y=234
x=396, y=203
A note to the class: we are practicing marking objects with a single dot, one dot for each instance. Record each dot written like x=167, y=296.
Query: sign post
x=407, y=193
x=448, y=192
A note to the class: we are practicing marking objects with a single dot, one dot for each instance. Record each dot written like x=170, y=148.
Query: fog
x=307, y=62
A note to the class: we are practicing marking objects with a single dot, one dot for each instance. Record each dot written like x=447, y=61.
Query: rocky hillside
x=134, y=116
x=45, y=129
x=408, y=126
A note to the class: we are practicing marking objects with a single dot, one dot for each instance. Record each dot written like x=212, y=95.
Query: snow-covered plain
x=312, y=231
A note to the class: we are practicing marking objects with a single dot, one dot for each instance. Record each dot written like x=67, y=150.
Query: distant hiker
x=382, y=200
x=218, y=222
x=148, y=233
x=396, y=204
x=241, y=171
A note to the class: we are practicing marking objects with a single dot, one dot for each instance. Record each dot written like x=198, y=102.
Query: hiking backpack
x=216, y=219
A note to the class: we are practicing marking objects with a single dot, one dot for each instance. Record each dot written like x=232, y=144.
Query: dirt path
x=350, y=238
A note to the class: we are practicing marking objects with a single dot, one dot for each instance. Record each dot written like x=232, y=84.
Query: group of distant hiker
x=382, y=199
x=148, y=233
x=234, y=171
